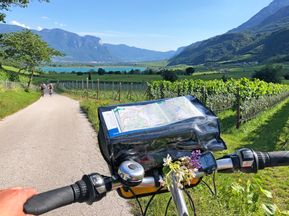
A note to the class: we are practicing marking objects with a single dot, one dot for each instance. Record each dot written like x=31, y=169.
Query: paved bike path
x=51, y=144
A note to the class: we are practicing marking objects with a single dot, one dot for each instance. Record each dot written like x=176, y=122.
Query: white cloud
x=59, y=24
x=39, y=28
x=45, y=17
x=14, y=22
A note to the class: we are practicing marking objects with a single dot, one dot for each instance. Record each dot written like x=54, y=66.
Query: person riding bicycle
x=13, y=199
x=42, y=88
x=50, y=88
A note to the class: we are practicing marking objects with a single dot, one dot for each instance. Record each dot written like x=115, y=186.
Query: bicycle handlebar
x=273, y=159
x=93, y=187
x=50, y=200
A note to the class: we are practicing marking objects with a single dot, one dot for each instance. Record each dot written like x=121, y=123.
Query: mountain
x=263, y=38
x=4, y=28
x=90, y=49
x=75, y=47
x=262, y=15
x=274, y=22
x=126, y=53
x=219, y=48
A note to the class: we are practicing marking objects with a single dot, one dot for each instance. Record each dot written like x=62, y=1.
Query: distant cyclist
x=50, y=88
x=42, y=88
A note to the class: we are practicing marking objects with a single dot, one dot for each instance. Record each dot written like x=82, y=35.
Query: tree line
x=170, y=75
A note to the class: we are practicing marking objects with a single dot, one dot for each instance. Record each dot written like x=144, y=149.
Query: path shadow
x=266, y=137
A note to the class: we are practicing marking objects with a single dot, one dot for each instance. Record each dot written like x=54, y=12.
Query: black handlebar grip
x=47, y=201
x=280, y=158
x=272, y=159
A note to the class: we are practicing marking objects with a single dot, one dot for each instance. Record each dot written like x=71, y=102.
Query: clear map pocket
x=147, y=131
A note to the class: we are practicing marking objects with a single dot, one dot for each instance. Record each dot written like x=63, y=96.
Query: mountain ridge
x=271, y=9
x=252, y=44
x=89, y=48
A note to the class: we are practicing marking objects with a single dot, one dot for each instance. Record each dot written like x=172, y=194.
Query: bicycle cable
x=167, y=207
x=214, y=183
x=139, y=204
x=143, y=213
x=192, y=204
x=210, y=189
x=151, y=199
x=213, y=192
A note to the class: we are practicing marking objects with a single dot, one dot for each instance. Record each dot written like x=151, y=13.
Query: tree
x=100, y=71
x=180, y=72
x=3, y=56
x=190, y=71
x=6, y=4
x=269, y=73
x=148, y=71
x=28, y=49
x=169, y=75
x=92, y=71
x=79, y=73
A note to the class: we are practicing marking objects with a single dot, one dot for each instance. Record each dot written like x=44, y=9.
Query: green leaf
x=166, y=170
x=237, y=188
x=269, y=209
x=250, y=198
x=266, y=193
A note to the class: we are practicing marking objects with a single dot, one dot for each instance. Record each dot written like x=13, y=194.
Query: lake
x=86, y=69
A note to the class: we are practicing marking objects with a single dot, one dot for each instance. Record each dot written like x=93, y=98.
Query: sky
x=152, y=24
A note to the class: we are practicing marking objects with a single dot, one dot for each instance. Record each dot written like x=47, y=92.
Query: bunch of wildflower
x=184, y=169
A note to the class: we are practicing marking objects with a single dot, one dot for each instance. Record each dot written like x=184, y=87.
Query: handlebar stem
x=178, y=197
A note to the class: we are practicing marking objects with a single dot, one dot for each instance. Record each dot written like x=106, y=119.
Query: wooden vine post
x=204, y=95
x=119, y=90
x=130, y=91
x=86, y=87
x=112, y=91
x=238, y=98
x=162, y=93
x=97, y=90
x=178, y=90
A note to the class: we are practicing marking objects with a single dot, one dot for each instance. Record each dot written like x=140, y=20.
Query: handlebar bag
x=147, y=131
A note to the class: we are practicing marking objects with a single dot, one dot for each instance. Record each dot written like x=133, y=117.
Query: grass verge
x=13, y=100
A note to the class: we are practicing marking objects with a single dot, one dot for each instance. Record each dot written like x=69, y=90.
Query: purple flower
x=195, y=159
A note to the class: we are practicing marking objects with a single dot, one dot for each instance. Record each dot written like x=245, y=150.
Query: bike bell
x=131, y=173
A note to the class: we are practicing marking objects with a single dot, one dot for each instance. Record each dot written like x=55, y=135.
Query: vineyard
x=247, y=97
x=247, y=89
x=118, y=91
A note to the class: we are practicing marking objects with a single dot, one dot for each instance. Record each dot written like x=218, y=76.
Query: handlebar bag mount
x=147, y=131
